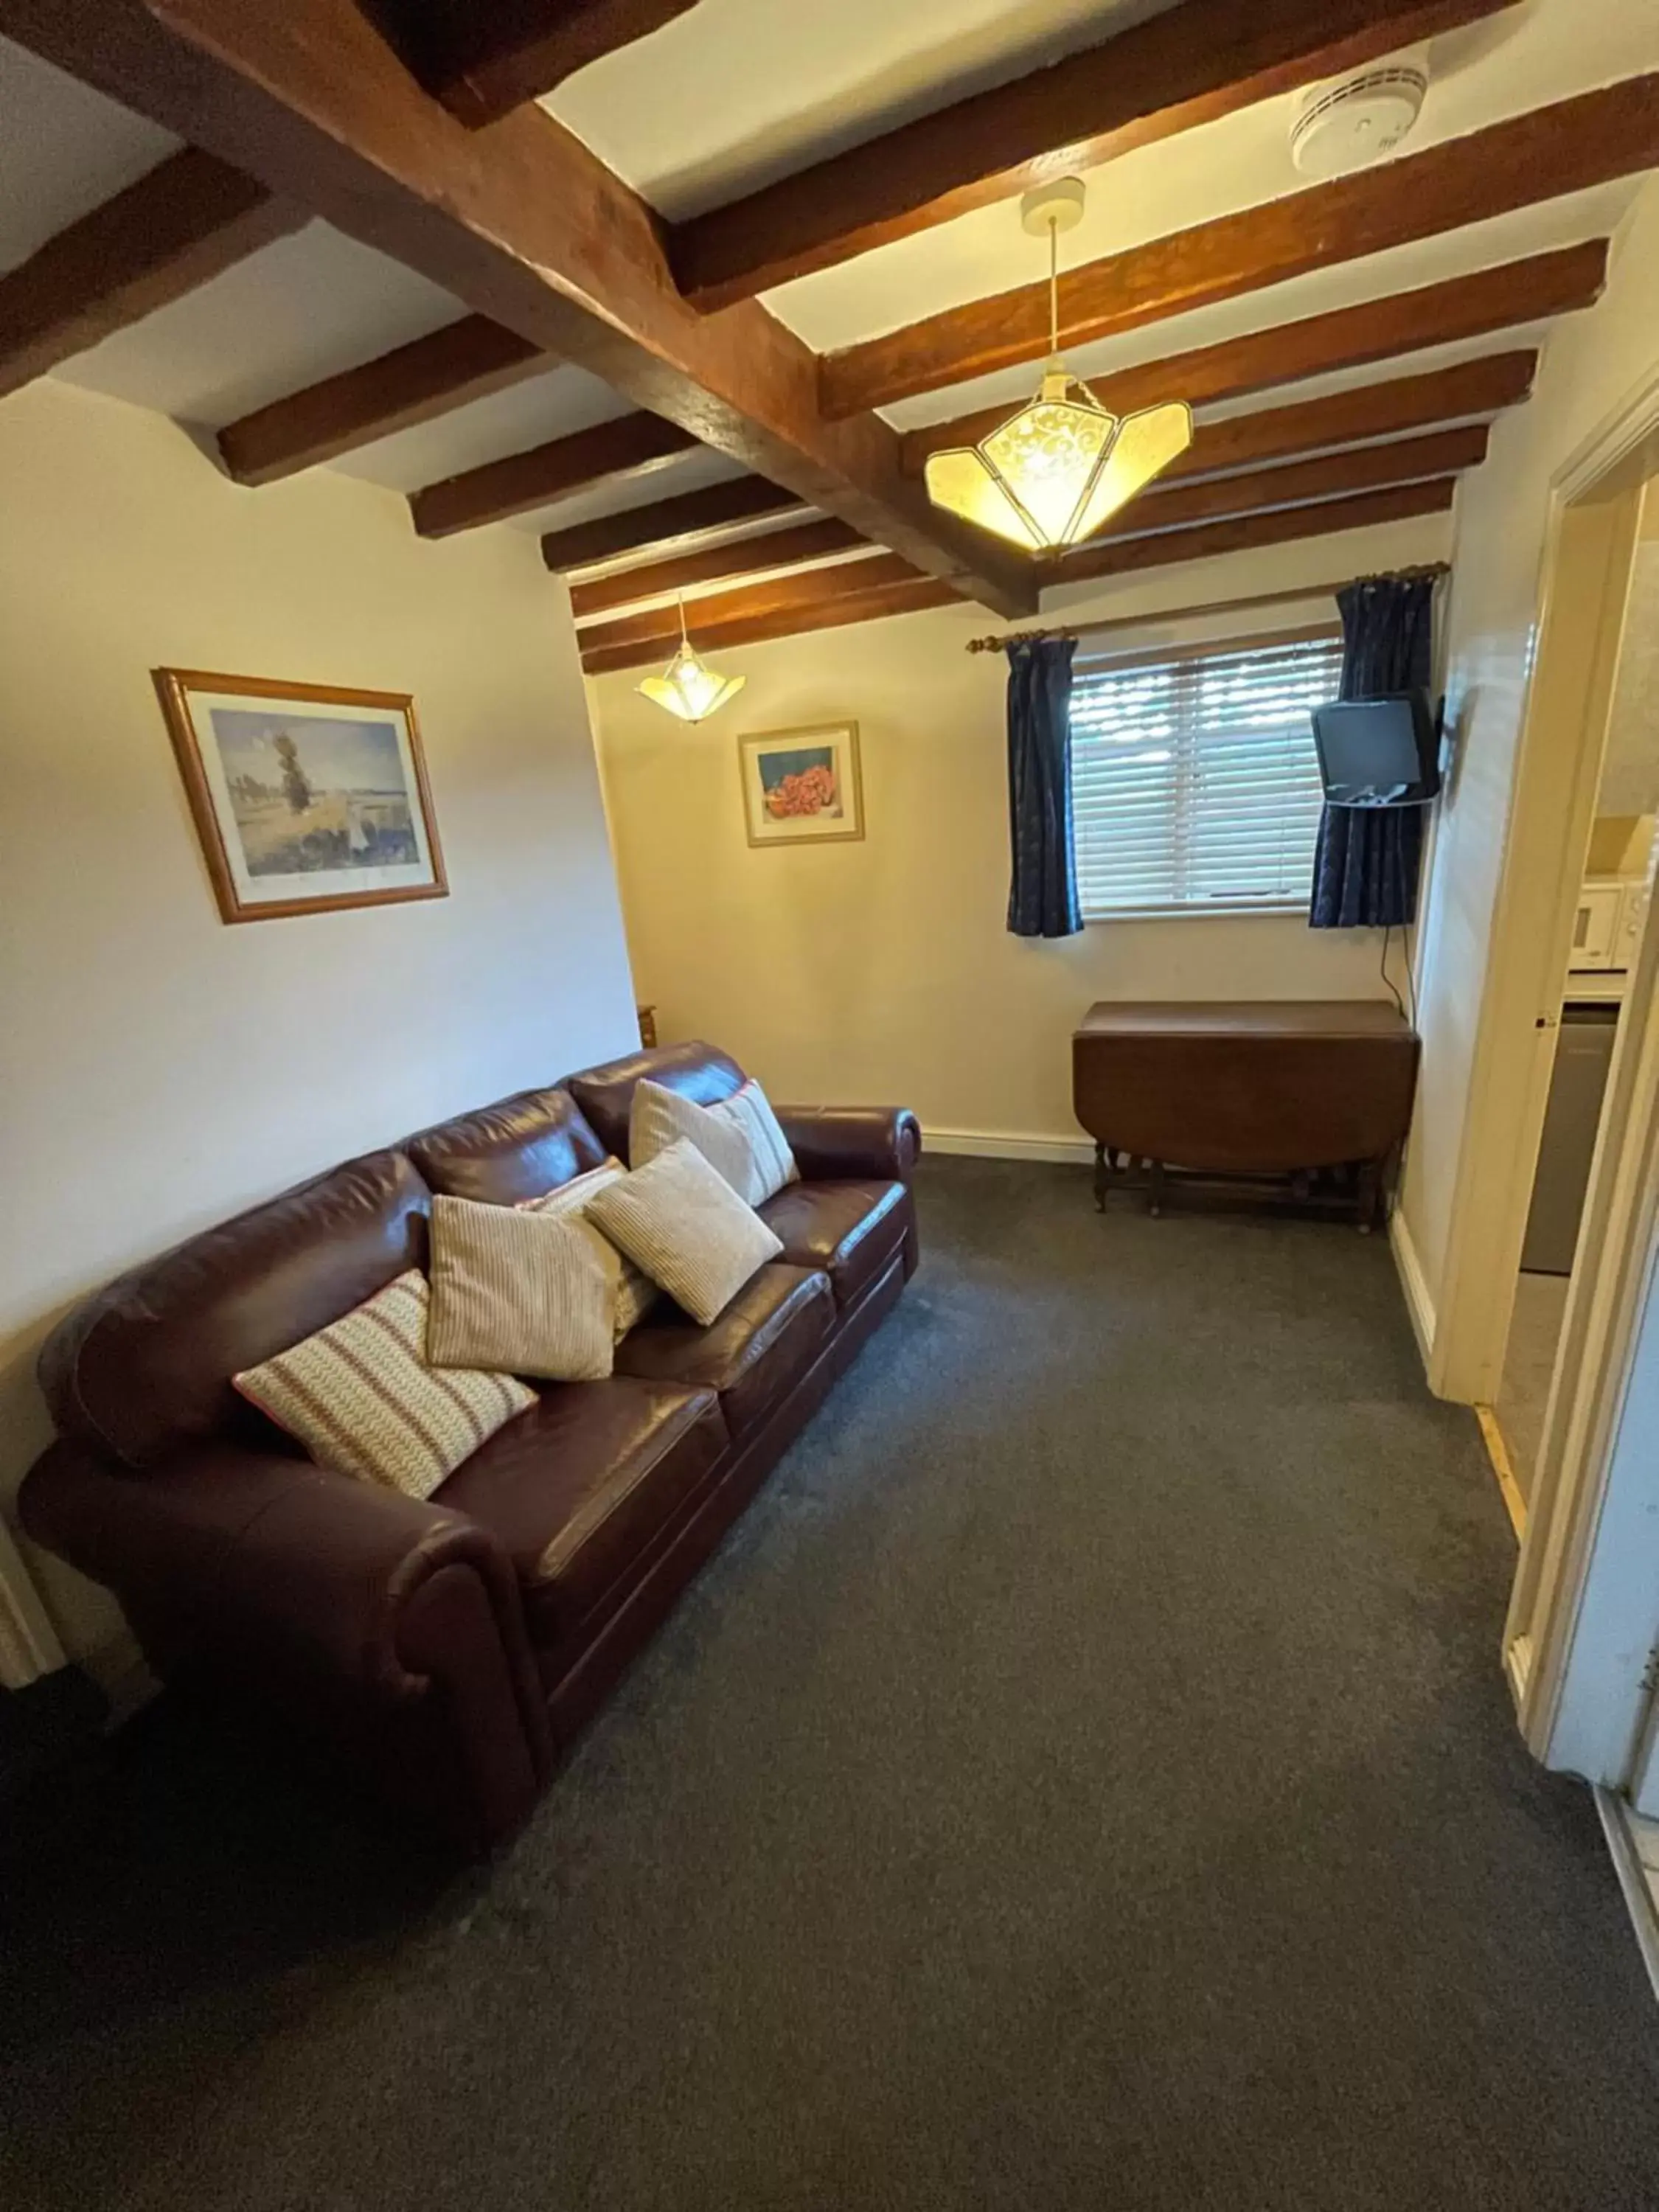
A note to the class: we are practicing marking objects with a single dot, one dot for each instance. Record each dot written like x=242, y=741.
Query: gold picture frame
x=802, y=786
x=307, y=798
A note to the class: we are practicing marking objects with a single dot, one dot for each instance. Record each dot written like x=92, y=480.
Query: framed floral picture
x=306, y=798
x=802, y=786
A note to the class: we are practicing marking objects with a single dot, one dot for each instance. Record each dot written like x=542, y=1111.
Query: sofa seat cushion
x=577, y=1489
x=752, y=1352
x=850, y=1230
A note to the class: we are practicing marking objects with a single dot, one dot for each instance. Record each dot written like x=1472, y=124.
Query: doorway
x=1602, y=959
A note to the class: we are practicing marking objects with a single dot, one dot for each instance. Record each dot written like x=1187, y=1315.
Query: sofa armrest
x=831, y=1141
x=387, y=1628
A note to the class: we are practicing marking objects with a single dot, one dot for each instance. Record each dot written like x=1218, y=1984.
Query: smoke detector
x=1351, y=121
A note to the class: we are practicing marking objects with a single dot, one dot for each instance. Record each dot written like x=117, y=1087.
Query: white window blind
x=1195, y=778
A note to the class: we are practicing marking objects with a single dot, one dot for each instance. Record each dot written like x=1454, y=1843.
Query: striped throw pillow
x=527, y=1293
x=360, y=1398
x=679, y=1219
x=636, y=1293
x=739, y=1135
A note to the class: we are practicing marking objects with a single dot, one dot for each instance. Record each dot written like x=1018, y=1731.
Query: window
x=1194, y=779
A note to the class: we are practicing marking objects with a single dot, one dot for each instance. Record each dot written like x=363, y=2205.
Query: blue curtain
x=1042, y=896
x=1366, y=865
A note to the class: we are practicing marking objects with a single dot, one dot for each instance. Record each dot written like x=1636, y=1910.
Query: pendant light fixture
x=687, y=687
x=1054, y=473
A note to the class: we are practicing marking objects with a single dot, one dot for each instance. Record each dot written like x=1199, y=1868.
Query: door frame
x=1589, y=548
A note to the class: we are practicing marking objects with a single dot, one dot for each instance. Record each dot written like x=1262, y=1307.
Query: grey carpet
x=1083, y=1780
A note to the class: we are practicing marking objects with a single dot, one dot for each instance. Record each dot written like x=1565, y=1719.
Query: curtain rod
x=1434, y=569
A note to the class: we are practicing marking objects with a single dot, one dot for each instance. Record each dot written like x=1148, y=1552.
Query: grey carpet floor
x=1084, y=1779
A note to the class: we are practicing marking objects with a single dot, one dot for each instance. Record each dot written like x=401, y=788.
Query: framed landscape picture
x=306, y=798
x=802, y=786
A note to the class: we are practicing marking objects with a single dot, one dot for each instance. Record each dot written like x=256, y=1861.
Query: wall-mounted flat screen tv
x=1379, y=752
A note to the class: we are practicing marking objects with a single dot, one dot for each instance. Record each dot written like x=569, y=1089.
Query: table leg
x=1368, y=1196
x=1155, y=1188
x=1102, y=1178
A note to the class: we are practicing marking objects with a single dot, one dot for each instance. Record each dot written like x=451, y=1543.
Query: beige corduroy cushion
x=739, y=1135
x=679, y=1219
x=529, y=1293
x=362, y=1399
x=637, y=1293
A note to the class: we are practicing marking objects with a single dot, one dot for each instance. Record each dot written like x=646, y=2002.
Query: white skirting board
x=1418, y=1304
x=997, y=1145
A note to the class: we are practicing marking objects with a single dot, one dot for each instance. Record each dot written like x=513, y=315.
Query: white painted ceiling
x=734, y=93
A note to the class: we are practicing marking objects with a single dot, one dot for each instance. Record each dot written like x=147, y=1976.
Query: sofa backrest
x=516, y=1149
x=143, y=1368
x=605, y=1094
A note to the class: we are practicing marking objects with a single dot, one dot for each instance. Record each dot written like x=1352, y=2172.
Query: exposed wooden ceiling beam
x=1373, y=410
x=1517, y=292
x=666, y=523
x=741, y=556
x=1244, y=533
x=1376, y=410
x=524, y=225
x=1359, y=468
x=484, y=58
x=1342, y=492
x=834, y=611
x=1566, y=147
x=415, y=383
x=180, y=225
x=1185, y=66
x=771, y=595
x=629, y=445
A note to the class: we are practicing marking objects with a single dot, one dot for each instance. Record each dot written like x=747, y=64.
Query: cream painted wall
x=883, y=970
x=1592, y=362
x=161, y=1070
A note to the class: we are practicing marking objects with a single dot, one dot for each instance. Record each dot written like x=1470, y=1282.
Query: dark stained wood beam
x=1517, y=292
x=773, y=594
x=1373, y=410
x=1336, y=498
x=1567, y=148
x=484, y=58
x=828, y=613
x=629, y=446
x=415, y=383
x=741, y=556
x=1186, y=66
x=522, y=224
x=1360, y=468
x=182, y=224
x=666, y=523
x=1248, y=533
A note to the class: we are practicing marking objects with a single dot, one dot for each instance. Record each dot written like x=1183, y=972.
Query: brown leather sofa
x=446, y=1653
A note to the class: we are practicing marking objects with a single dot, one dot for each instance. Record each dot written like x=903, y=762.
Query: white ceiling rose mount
x=1062, y=466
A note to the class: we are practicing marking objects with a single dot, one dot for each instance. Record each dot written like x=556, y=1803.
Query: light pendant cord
x=685, y=641
x=1054, y=288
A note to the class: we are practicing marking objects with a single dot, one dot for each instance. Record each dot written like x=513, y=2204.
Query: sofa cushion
x=752, y=1353
x=516, y=1149
x=144, y=1369
x=850, y=1230
x=738, y=1135
x=576, y=1489
x=363, y=1398
x=635, y=1293
x=605, y=1094
x=528, y=1293
x=679, y=1219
